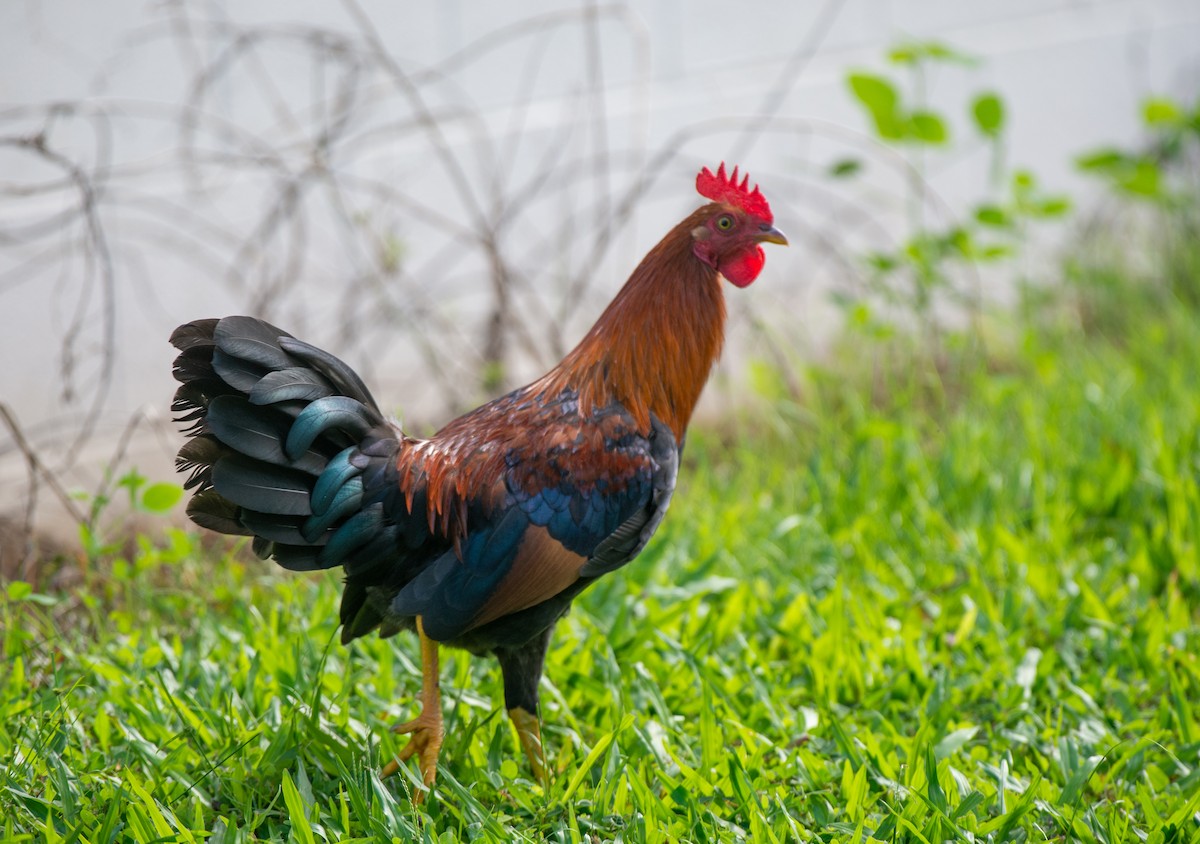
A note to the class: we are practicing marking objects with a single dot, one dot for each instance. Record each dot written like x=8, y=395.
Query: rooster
x=480, y=536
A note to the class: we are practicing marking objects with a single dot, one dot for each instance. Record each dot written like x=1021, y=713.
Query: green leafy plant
x=97, y=538
x=1146, y=174
x=933, y=259
x=1162, y=179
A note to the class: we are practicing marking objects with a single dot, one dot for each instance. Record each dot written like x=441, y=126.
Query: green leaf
x=994, y=252
x=992, y=215
x=988, y=111
x=1073, y=788
x=933, y=788
x=918, y=51
x=1023, y=181
x=854, y=791
x=154, y=815
x=297, y=812
x=928, y=127
x=845, y=168
x=131, y=480
x=960, y=240
x=592, y=758
x=954, y=741
x=882, y=262
x=159, y=498
x=942, y=52
x=1102, y=160
x=1143, y=179
x=19, y=590
x=1160, y=111
x=1055, y=206
x=879, y=97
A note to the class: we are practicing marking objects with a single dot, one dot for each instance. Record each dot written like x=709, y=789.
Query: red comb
x=722, y=188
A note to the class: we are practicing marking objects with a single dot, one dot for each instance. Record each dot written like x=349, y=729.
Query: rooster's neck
x=652, y=348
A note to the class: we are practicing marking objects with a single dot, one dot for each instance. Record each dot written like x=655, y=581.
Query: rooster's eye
x=724, y=222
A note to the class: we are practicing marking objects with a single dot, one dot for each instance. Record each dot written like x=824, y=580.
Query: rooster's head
x=738, y=220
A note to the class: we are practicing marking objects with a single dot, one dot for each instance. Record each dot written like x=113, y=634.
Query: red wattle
x=743, y=267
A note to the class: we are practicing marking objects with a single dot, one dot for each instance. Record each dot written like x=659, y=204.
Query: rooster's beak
x=770, y=234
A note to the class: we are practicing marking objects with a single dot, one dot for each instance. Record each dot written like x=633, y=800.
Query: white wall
x=1072, y=73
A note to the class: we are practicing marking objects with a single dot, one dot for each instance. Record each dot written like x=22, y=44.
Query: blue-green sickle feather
x=341, y=414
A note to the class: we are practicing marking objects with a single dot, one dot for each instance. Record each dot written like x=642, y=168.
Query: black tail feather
x=258, y=432
x=209, y=510
x=283, y=529
x=252, y=341
x=343, y=377
x=291, y=383
x=259, y=486
x=245, y=388
x=196, y=333
x=240, y=374
x=197, y=456
x=194, y=366
x=300, y=558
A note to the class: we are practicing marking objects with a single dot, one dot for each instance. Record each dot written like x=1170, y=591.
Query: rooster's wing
x=553, y=499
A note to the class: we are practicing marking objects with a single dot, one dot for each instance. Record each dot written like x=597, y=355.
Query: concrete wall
x=591, y=100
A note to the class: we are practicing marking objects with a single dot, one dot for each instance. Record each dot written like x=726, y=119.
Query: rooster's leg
x=522, y=670
x=529, y=731
x=424, y=731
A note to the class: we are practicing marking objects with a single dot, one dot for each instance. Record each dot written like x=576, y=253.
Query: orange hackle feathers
x=720, y=188
x=652, y=348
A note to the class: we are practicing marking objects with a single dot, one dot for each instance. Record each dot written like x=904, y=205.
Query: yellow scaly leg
x=425, y=731
x=529, y=731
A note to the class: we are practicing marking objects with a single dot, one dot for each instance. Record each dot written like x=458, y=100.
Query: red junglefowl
x=480, y=536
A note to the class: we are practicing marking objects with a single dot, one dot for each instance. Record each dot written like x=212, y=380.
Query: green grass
x=914, y=607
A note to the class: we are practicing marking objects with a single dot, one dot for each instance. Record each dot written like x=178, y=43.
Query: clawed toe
x=425, y=731
x=424, y=742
